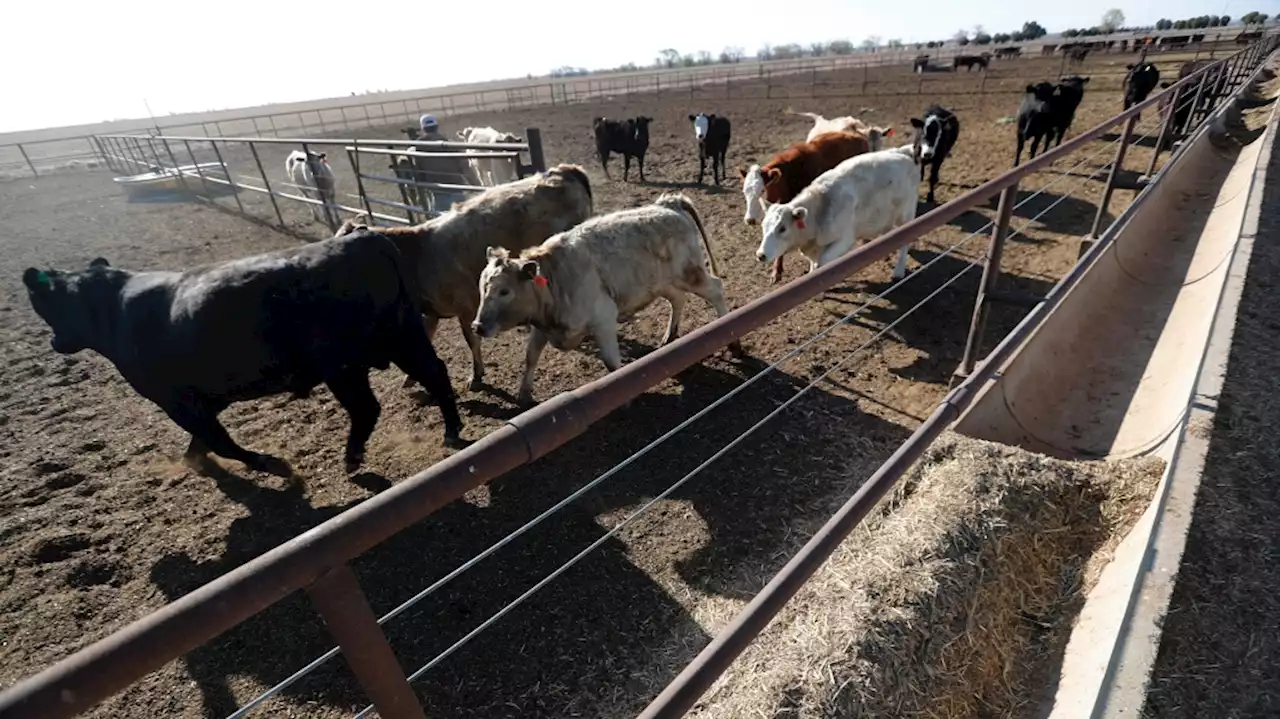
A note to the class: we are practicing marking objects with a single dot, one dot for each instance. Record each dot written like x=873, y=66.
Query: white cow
x=860, y=199
x=492, y=171
x=822, y=124
x=315, y=180
x=587, y=279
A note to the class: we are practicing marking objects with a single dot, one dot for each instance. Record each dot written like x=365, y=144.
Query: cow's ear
x=99, y=262
x=1129, y=66
x=1031, y=88
x=917, y=122
x=742, y=172
x=799, y=213
x=495, y=253
x=528, y=269
x=772, y=174
x=692, y=118
x=37, y=280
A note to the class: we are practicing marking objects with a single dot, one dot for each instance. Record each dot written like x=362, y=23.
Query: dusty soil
x=1218, y=649
x=101, y=524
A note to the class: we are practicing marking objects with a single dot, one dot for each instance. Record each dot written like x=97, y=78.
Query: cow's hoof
x=526, y=400
x=353, y=462
x=735, y=349
x=475, y=384
x=408, y=382
x=201, y=464
x=454, y=440
x=271, y=465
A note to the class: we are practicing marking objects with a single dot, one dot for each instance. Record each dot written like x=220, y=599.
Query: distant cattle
x=920, y=64
x=861, y=198
x=491, y=171
x=1035, y=119
x=790, y=171
x=1008, y=53
x=1141, y=79
x=446, y=166
x=584, y=280
x=310, y=173
x=629, y=138
x=821, y=124
x=968, y=61
x=935, y=136
x=1077, y=55
x=1183, y=99
x=712, y=134
x=1066, y=99
x=195, y=342
x=447, y=254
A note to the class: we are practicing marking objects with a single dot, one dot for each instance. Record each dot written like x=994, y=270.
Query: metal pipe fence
x=779, y=79
x=124, y=153
x=318, y=560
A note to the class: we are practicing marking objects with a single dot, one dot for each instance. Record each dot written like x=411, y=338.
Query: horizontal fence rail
x=756, y=80
x=317, y=561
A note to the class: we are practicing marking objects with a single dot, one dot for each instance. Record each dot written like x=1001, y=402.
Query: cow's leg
x=676, y=298
x=606, y=336
x=477, y=362
x=933, y=179
x=430, y=323
x=711, y=289
x=418, y=359
x=532, y=352
x=900, y=267
x=640, y=163
x=626, y=166
x=776, y=276
x=351, y=389
x=702, y=166
x=1017, y=155
x=208, y=434
x=604, y=163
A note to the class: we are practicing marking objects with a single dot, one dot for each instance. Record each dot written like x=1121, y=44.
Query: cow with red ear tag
x=861, y=198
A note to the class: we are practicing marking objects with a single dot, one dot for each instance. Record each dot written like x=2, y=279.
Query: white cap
x=427, y=122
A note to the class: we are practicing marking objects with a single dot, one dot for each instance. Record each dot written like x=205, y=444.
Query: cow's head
x=701, y=123
x=641, y=128
x=1041, y=90
x=755, y=190
x=876, y=135
x=927, y=135
x=511, y=293
x=70, y=303
x=785, y=228
x=512, y=138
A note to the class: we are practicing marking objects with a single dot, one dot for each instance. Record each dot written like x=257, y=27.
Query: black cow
x=1138, y=84
x=970, y=60
x=1185, y=97
x=1066, y=99
x=936, y=134
x=712, y=134
x=195, y=342
x=629, y=138
x=1035, y=118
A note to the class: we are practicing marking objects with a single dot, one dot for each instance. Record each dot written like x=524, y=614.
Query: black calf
x=629, y=138
x=712, y=133
x=936, y=134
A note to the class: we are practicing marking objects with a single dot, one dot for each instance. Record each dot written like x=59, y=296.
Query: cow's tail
x=811, y=115
x=678, y=201
x=576, y=173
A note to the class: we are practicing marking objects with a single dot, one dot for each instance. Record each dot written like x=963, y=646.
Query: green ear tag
x=44, y=279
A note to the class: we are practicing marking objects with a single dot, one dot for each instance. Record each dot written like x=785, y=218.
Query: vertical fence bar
x=990, y=274
x=418, y=193
x=182, y=177
x=536, y=158
x=93, y=145
x=1165, y=128
x=266, y=184
x=235, y=190
x=330, y=214
x=1117, y=166
x=30, y=164
x=354, y=158
x=194, y=163
x=339, y=599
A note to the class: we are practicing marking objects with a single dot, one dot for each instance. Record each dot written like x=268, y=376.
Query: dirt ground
x=1218, y=649
x=101, y=523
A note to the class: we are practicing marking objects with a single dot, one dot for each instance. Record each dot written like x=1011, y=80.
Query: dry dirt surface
x=101, y=524
x=1218, y=649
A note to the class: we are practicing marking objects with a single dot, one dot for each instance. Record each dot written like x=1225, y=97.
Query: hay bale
x=955, y=600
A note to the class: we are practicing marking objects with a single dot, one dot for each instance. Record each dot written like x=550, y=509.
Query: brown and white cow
x=790, y=171
x=582, y=281
x=447, y=253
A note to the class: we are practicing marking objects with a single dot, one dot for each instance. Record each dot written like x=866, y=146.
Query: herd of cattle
x=523, y=253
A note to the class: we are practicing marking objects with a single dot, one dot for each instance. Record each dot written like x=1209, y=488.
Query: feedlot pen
x=102, y=524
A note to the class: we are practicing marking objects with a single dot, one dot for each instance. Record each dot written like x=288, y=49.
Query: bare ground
x=101, y=524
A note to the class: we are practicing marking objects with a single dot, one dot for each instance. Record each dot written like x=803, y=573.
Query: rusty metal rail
x=317, y=560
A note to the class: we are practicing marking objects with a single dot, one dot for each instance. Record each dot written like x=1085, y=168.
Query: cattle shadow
x=1062, y=214
x=605, y=627
x=1148, y=141
x=938, y=330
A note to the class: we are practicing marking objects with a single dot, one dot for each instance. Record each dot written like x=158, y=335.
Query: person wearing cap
x=447, y=170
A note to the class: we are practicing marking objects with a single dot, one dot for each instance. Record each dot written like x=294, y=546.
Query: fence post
x=990, y=275
x=1117, y=166
x=182, y=177
x=23, y=150
x=346, y=612
x=330, y=214
x=353, y=156
x=536, y=159
x=266, y=184
x=194, y=163
x=235, y=189
x=93, y=143
x=1165, y=128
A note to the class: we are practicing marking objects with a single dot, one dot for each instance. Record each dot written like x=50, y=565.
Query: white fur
x=753, y=191
x=836, y=124
x=299, y=172
x=491, y=171
x=859, y=199
x=700, y=125
x=927, y=150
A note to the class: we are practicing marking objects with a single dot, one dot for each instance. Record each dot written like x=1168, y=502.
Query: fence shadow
x=609, y=627
x=1070, y=216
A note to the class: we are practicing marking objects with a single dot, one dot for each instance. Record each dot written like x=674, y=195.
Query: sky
x=80, y=62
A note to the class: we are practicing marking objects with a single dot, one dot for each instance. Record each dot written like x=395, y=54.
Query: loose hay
x=955, y=600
